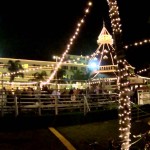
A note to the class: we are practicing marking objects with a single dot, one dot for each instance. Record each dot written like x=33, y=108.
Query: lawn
x=81, y=136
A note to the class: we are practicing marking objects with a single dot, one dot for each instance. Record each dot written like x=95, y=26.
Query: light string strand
x=122, y=80
x=71, y=40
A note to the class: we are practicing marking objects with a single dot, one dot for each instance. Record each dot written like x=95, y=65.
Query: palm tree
x=14, y=68
x=61, y=73
x=39, y=76
x=80, y=75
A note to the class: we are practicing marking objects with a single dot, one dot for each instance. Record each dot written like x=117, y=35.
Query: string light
x=140, y=43
x=20, y=83
x=104, y=52
x=25, y=71
x=105, y=47
x=113, y=12
x=50, y=67
x=135, y=44
x=143, y=70
x=71, y=42
x=122, y=81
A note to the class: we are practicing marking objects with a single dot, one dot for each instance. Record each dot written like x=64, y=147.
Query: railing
x=143, y=97
x=46, y=104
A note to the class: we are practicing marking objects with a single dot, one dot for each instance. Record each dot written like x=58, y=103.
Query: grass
x=82, y=135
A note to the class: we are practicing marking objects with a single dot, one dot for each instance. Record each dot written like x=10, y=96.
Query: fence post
x=84, y=106
x=2, y=100
x=39, y=106
x=2, y=105
x=56, y=105
x=16, y=106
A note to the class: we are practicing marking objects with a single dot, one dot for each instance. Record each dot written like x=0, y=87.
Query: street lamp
x=93, y=64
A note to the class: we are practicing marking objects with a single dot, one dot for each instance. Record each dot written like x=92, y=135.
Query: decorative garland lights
x=113, y=12
x=105, y=42
x=135, y=44
x=123, y=74
x=70, y=43
x=26, y=70
x=123, y=70
x=20, y=83
x=140, y=43
x=124, y=105
x=143, y=70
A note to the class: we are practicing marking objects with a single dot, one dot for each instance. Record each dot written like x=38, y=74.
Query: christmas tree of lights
x=105, y=54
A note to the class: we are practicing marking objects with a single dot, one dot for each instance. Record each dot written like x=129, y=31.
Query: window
x=65, y=67
x=73, y=68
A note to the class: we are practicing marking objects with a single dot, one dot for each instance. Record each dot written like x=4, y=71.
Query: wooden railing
x=46, y=104
x=143, y=97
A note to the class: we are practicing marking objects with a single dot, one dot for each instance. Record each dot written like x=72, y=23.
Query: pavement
x=30, y=139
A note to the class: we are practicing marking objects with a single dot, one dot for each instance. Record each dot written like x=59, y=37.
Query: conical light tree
x=105, y=55
x=123, y=74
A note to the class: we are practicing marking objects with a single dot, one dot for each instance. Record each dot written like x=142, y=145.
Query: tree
x=15, y=69
x=61, y=73
x=80, y=75
x=123, y=75
x=39, y=76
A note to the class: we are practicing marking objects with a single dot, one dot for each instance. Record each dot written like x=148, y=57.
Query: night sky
x=37, y=30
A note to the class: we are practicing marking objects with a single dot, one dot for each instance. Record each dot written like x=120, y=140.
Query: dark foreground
x=81, y=136
x=29, y=139
x=28, y=133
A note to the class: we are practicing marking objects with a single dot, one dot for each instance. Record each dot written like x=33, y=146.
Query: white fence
x=46, y=104
x=143, y=97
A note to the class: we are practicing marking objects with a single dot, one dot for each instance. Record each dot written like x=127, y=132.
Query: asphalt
x=30, y=139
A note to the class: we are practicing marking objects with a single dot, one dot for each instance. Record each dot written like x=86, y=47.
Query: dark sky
x=37, y=30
